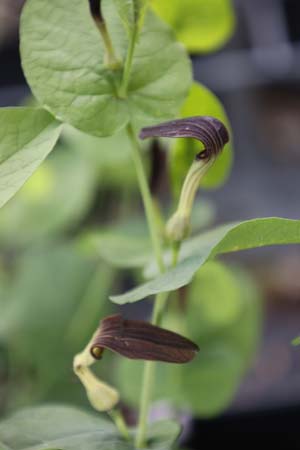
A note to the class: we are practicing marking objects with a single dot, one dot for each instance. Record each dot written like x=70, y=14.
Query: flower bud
x=101, y=396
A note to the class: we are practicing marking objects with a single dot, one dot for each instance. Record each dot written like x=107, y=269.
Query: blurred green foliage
x=202, y=25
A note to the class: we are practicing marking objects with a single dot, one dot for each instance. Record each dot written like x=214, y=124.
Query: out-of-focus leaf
x=55, y=198
x=200, y=102
x=202, y=25
x=68, y=428
x=216, y=296
x=51, y=286
x=127, y=245
x=207, y=385
x=124, y=245
x=203, y=215
x=27, y=136
x=121, y=250
x=63, y=60
x=110, y=157
x=223, y=239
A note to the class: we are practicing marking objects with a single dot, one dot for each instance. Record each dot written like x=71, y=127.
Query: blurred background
x=45, y=270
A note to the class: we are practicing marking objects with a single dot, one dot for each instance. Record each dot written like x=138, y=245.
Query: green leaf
x=62, y=57
x=200, y=102
x=226, y=238
x=207, y=385
x=54, y=199
x=27, y=136
x=68, y=428
x=202, y=25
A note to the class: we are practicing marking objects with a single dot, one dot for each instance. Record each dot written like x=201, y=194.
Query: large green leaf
x=27, y=135
x=202, y=25
x=200, y=102
x=227, y=344
x=62, y=56
x=66, y=428
x=226, y=238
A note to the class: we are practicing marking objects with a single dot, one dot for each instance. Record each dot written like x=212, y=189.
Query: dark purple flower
x=208, y=130
x=140, y=340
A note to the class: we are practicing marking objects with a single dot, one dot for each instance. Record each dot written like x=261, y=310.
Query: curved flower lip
x=136, y=339
x=206, y=129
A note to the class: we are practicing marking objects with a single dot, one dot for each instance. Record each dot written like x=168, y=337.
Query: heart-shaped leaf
x=63, y=60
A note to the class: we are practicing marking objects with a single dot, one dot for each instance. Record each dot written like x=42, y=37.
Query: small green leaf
x=226, y=238
x=202, y=25
x=200, y=102
x=67, y=428
x=63, y=60
x=27, y=136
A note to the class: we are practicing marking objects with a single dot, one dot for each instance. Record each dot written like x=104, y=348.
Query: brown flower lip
x=206, y=129
x=137, y=339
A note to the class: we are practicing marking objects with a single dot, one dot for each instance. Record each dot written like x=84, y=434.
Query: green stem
x=128, y=63
x=149, y=375
x=175, y=252
x=118, y=418
x=161, y=298
x=147, y=198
